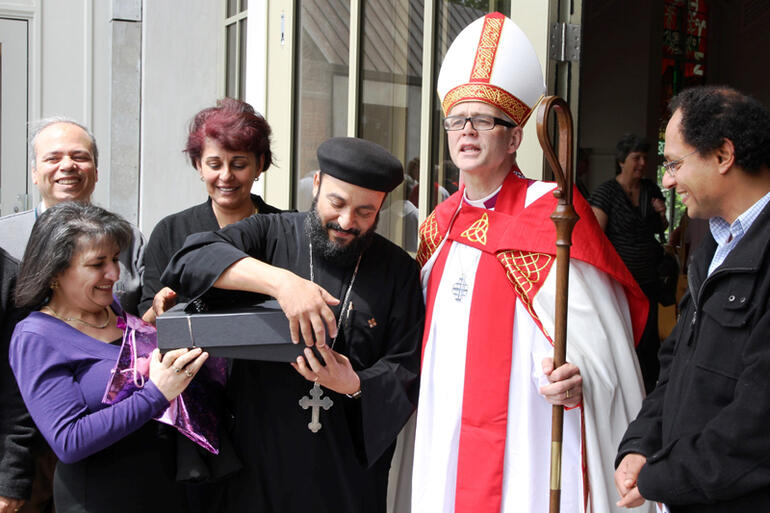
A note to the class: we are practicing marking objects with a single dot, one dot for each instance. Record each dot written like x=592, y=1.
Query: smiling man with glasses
x=699, y=443
x=488, y=384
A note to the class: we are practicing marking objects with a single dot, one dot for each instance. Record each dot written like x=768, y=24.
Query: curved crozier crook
x=562, y=167
x=564, y=218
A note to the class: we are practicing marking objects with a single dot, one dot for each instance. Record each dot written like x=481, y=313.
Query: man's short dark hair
x=711, y=114
x=629, y=143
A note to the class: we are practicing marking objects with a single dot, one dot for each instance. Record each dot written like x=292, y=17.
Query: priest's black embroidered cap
x=361, y=163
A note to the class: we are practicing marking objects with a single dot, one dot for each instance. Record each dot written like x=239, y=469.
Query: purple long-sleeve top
x=62, y=374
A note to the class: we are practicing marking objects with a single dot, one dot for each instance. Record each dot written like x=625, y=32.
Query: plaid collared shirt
x=728, y=235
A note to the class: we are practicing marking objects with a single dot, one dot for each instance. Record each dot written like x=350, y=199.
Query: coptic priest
x=319, y=437
x=487, y=255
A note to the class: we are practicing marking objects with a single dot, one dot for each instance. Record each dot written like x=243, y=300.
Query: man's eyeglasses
x=672, y=166
x=479, y=123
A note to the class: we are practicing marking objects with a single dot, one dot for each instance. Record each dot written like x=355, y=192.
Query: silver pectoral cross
x=460, y=288
x=316, y=403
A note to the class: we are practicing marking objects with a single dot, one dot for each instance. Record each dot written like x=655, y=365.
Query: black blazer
x=18, y=436
x=704, y=429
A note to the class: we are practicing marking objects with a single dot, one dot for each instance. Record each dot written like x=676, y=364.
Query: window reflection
x=451, y=18
x=391, y=71
x=391, y=79
x=242, y=58
x=235, y=49
x=321, y=100
x=232, y=7
x=231, y=62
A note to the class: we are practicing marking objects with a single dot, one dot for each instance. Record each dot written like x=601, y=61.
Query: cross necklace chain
x=315, y=401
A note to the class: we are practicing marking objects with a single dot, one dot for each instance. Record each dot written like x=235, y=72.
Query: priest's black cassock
x=344, y=466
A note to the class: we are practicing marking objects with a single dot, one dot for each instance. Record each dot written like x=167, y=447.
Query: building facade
x=136, y=71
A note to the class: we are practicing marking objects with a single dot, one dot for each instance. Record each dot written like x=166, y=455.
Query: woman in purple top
x=112, y=458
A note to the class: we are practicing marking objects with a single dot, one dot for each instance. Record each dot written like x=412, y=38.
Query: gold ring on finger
x=189, y=374
x=567, y=394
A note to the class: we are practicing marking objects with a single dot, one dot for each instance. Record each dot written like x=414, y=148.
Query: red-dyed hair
x=234, y=125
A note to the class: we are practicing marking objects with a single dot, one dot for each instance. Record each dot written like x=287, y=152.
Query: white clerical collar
x=487, y=202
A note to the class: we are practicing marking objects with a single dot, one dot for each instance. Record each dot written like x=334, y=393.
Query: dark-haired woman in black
x=631, y=211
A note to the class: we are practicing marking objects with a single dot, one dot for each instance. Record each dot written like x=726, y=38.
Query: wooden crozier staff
x=564, y=217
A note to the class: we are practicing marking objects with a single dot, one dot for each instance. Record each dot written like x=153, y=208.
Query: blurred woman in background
x=631, y=211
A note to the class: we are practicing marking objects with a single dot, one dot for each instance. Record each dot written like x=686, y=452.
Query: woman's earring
x=54, y=285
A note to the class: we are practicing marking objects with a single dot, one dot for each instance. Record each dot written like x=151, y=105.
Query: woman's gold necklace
x=70, y=319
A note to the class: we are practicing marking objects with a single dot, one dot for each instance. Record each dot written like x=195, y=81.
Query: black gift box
x=259, y=332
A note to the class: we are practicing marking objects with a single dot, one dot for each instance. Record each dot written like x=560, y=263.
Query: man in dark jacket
x=17, y=432
x=700, y=442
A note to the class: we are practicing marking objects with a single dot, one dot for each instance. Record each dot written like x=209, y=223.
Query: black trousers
x=649, y=344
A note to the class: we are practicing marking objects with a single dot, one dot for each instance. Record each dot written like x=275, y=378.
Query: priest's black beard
x=331, y=251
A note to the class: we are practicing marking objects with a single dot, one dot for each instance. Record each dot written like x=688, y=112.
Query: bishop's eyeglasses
x=480, y=123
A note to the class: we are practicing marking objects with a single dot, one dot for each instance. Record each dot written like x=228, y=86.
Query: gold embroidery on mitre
x=524, y=270
x=487, y=93
x=482, y=66
x=485, y=53
x=430, y=238
x=477, y=232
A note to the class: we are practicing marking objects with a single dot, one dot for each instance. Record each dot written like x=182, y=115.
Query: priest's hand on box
x=566, y=384
x=306, y=305
x=337, y=374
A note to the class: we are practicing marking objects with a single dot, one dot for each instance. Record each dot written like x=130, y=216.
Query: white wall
x=532, y=17
x=182, y=62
